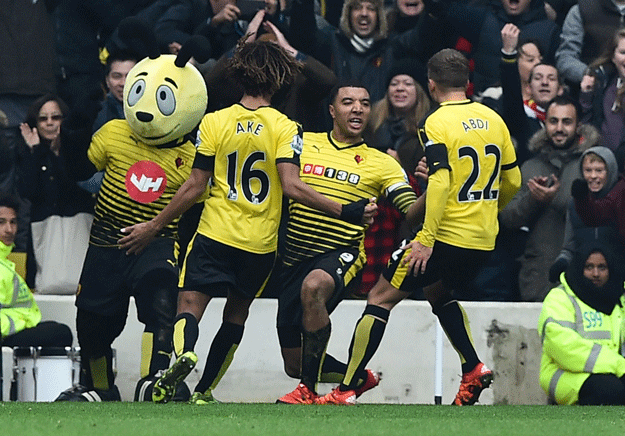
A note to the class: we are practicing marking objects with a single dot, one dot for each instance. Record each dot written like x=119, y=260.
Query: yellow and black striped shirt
x=343, y=173
x=139, y=180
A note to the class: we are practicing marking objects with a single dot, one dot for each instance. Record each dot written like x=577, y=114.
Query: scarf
x=361, y=45
x=603, y=298
x=620, y=90
x=533, y=110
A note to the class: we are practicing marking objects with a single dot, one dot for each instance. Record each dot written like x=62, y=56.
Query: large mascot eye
x=136, y=92
x=165, y=100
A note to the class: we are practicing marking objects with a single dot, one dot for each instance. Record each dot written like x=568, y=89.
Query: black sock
x=314, y=346
x=332, y=371
x=366, y=340
x=455, y=323
x=186, y=332
x=96, y=333
x=220, y=355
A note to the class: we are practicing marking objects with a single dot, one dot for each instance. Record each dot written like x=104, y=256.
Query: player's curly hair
x=262, y=67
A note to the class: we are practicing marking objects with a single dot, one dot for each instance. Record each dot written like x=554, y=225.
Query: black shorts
x=455, y=266
x=210, y=266
x=110, y=277
x=343, y=265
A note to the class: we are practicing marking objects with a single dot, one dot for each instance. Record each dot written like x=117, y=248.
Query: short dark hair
x=564, y=100
x=529, y=40
x=11, y=202
x=449, y=69
x=120, y=55
x=347, y=83
x=549, y=65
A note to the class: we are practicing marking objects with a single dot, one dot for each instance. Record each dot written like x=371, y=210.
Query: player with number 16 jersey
x=245, y=202
x=247, y=157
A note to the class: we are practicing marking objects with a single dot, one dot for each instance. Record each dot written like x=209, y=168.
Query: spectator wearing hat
x=361, y=47
x=393, y=129
x=581, y=328
x=396, y=116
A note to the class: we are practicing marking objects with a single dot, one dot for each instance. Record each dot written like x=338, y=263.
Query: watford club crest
x=358, y=158
x=179, y=162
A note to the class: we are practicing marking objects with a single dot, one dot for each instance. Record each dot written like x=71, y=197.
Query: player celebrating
x=251, y=153
x=472, y=174
x=322, y=255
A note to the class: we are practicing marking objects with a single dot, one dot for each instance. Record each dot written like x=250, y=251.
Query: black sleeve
x=173, y=25
x=203, y=162
x=303, y=33
x=436, y=156
x=74, y=146
x=513, y=111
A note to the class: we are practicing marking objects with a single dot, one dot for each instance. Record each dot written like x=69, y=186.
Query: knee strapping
x=376, y=311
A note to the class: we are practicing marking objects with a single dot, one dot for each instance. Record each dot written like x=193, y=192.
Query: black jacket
x=28, y=63
x=46, y=182
x=481, y=26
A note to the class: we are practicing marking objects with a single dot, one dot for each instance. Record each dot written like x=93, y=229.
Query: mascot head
x=165, y=96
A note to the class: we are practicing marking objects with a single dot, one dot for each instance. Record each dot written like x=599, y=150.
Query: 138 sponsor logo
x=331, y=173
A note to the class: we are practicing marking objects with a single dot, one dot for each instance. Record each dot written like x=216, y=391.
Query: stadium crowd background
x=60, y=47
x=523, y=53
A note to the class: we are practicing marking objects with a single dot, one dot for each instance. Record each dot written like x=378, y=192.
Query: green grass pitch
x=137, y=419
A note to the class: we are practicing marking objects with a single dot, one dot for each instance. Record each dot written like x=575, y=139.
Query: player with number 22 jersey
x=478, y=150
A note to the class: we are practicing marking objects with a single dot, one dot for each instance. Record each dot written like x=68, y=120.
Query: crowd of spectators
x=553, y=69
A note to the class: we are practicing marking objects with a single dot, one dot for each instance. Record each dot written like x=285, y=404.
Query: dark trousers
x=44, y=334
x=602, y=389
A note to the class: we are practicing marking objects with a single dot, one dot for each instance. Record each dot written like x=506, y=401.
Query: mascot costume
x=145, y=157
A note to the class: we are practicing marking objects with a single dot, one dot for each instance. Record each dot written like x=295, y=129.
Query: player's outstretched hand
x=417, y=258
x=137, y=237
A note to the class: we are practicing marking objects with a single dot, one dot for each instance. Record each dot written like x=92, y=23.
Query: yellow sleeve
x=435, y=203
x=395, y=184
x=290, y=140
x=205, y=143
x=97, y=149
x=510, y=173
x=509, y=186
